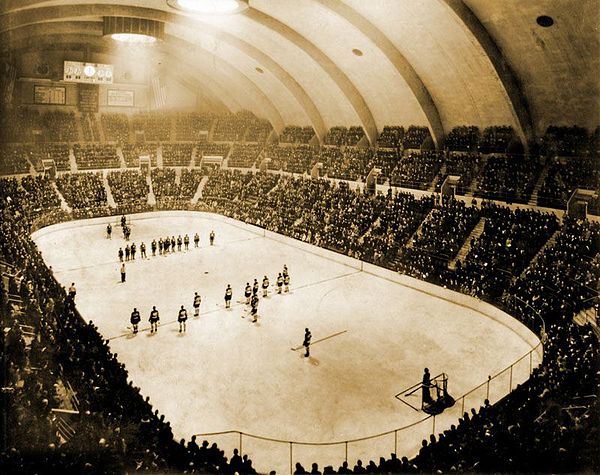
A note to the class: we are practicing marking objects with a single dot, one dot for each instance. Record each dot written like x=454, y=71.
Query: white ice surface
x=226, y=373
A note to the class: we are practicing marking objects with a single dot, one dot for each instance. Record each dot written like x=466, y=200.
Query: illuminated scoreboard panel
x=88, y=73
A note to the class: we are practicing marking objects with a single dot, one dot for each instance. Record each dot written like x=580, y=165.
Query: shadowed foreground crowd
x=53, y=359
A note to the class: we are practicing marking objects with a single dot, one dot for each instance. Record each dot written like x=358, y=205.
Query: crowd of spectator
x=96, y=156
x=295, y=134
x=391, y=137
x=341, y=135
x=244, y=155
x=132, y=154
x=509, y=178
x=177, y=154
x=291, y=158
x=463, y=138
x=83, y=191
x=496, y=139
x=39, y=195
x=189, y=125
x=465, y=166
x=564, y=176
x=128, y=188
x=14, y=160
x=116, y=127
x=417, y=170
x=258, y=131
x=565, y=141
x=156, y=126
x=90, y=128
x=231, y=128
x=59, y=126
x=416, y=137
x=207, y=149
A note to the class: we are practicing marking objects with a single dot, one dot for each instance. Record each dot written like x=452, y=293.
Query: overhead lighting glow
x=133, y=38
x=209, y=7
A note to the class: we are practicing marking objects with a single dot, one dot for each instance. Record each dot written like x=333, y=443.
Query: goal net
x=432, y=398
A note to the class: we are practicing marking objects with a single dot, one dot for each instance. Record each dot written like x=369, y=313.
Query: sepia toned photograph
x=299, y=236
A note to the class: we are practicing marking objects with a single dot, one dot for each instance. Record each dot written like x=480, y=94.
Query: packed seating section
x=96, y=156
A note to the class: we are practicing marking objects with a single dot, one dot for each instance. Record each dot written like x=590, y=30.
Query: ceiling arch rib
x=44, y=13
x=401, y=64
x=340, y=78
x=510, y=86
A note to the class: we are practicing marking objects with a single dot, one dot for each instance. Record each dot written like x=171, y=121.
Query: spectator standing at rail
x=72, y=291
x=123, y=273
x=212, y=237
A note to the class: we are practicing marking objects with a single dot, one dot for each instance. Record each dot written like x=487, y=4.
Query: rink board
x=226, y=373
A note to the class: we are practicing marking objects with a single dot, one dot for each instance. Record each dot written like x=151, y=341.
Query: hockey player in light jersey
x=265, y=285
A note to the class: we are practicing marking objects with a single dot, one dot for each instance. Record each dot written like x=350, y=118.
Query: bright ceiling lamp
x=133, y=38
x=210, y=7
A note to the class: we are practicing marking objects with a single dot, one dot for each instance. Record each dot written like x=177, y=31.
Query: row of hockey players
x=154, y=319
x=164, y=246
x=251, y=294
x=124, y=227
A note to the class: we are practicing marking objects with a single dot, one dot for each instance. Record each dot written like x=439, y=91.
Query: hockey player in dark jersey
x=197, y=301
x=173, y=242
x=135, y=320
x=160, y=246
x=154, y=319
x=108, y=231
x=228, y=295
x=179, y=242
x=248, y=293
x=186, y=242
x=133, y=249
x=286, y=283
x=166, y=244
x=306, y=343
x=196, y=239
x=255, y=287
x=123, y=221
x=143, y=250
x=265, y=285
x=212, y=237
x=182, y=318
x=121, y=253
x=279, y=283
x=127, y=252
x=153, y=247
x=254, y=310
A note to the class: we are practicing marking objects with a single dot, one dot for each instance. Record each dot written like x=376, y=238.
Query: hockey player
x=173, y=242
x=196, y=240
x=212, y=237
x=248, y=293
x=255, y=287
x=286, y=283
x=306, y=343
x=228, y=295
x=133, y=249
x=186, y=242
x=123, y=273
x=127, y=252
x=254, y=305
x=285, y=270
x=154, y=319
x=123, y=221
x=143, y=250
x=135, y=319
x=265, y=285
x=108, y=231
x=182, y=318
x=120, y=254
x=179, y=242
x=279, y=283
x=197, y=300
x=166, y=244
x=160, y=246
x=153, y=247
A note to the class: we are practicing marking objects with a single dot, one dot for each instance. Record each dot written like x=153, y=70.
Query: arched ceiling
x=439, y=63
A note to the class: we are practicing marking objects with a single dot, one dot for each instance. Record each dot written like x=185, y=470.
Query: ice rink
x=226, y=373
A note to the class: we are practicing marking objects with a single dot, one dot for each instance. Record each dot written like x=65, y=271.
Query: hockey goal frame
x=438, y=382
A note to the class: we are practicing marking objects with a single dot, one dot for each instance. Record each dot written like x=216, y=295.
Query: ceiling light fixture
x=209, y=7
x=133, y=38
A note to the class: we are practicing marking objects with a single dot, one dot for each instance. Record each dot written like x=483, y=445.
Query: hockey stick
x=319, y=341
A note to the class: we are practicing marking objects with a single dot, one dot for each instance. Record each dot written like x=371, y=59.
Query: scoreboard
x=88, y=73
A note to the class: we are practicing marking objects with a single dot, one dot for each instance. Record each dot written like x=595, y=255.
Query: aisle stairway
x=109, y=197
x=159, y=156
x=63, y=203
x=549, y=243
x=72, y=161
x=121, y=158
x=533, y=200
x=411, y=240
x=466, y=247
x=151, y=197
x=198, y=194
